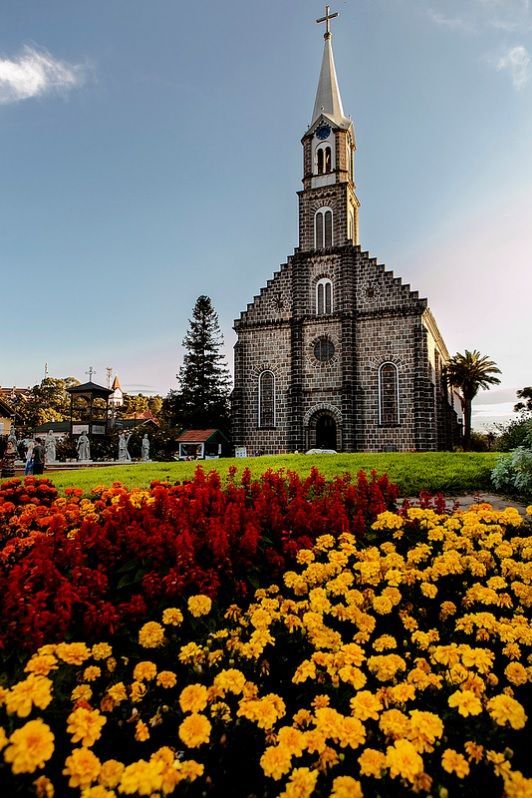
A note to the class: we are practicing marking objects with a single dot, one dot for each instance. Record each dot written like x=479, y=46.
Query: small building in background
x=116, y=399
x=202, y=444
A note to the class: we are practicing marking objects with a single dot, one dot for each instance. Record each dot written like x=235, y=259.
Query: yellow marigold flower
x=190, y=770
x=315, y=741
x=275, y=761
x=506, y=710
x=516, y=673
x=382, y=605
x=3, y=738
x=453, y=762
x=352, y=676
x=385, y=666
x=401, y=693
x=324, y=542
x=137, y=691
x=111, y=773
x=33, y=691
x=346, y=787
x=190, y=653
x=425, y=729
x=91, y=673
x=230, y=680
x=43, y=787
x=101, y=651
x=394, y=723
x=384, y=642
x=474, y=751
x=291, y=739
x=172, y=617
x=193, y=698
x=29, y=747
x=144, y=778
x=151, y=635
x=466, y=702
x=428, y=590
x=117, y=693
x=85, y=726
x=403, y=760
x=166, y=679
x=82, y=766
x=145, y=671
x=372, y=762
x=98, y=792
x=302, y=718
x=365, y=705
x=517, y=786
x=305, y=556
x=41, y=664
x=352, y=733
x=142, y=733
x=199, y=605
x=388, y=520
x=529, y=510
x=73, y=653
x=301, y=783
x=260, y=619
x=195, y=730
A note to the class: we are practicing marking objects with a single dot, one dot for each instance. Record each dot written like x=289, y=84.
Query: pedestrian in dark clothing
x=38, y=457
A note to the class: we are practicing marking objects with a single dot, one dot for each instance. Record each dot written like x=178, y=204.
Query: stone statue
x=12, y=445
x=145, y=449
x=123, y=451
x=50, y=447
x=84, y=447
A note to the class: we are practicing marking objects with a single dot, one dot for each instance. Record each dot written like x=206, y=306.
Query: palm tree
x=468, y=373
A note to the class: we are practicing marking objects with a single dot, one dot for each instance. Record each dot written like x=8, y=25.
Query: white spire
x=328, y=100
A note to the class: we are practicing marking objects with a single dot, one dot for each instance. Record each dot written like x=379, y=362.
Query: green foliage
x=525, y=405
x=448, y=472
x=202, y=400
x=513, y=433
x=470, y=372
x=48, y=401
x=513, y=473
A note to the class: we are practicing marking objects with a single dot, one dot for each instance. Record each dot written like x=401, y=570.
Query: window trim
x=260, y=425
x=398, y=411
x=323, y=282
x=322, y=212
x=322, y=148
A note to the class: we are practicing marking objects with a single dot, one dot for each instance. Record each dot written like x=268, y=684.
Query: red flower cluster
x=88, y=566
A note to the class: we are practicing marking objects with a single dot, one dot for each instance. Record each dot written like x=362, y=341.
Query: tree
x=524, y=406
x=202, y=400
x=468, y=373
x=48, y=401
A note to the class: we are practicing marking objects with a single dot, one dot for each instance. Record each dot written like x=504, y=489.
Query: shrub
x=513, y=473
x=387, y=669
x=91, y=566
x=516, y=432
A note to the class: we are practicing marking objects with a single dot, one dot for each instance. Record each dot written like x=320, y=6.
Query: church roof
x=116, y=384
x=328, y=99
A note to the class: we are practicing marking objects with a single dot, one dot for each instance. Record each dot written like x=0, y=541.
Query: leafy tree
x=525, y=406
x=468, y=373
x=202, y=400
x=48, y=401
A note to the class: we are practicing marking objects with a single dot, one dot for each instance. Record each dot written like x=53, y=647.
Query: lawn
x=449, y=472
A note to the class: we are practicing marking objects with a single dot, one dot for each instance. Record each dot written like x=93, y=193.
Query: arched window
x=324, y=297
x=324, y=159
x=323, y=228
x=388, y=394
x=266, y=399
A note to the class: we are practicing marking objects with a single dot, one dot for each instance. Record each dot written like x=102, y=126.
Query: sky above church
x=150, y=152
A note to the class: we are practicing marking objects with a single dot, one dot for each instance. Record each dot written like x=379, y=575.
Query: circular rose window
x=324, y=349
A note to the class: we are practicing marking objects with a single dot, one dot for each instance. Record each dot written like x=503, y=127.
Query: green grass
x=449, y=472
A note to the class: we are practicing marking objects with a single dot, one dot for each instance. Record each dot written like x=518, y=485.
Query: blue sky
x=151, y=152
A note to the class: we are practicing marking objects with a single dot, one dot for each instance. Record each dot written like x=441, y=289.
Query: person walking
x=38, y=457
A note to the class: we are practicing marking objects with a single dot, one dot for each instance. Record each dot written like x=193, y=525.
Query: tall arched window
x=323, y=228
x=388, y=394
x=266, y=399
x=324, y=297
x=324, y=158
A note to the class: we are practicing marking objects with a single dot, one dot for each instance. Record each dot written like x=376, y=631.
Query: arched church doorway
x=326, y=432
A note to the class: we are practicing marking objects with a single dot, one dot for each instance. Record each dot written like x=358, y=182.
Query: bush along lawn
x=383, y=652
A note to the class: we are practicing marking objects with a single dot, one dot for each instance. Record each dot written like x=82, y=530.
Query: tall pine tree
x=202, y=400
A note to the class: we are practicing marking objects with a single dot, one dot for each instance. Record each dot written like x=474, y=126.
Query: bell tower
x=328, y=205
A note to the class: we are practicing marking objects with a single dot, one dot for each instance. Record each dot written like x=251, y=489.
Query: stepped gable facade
x=336, y=352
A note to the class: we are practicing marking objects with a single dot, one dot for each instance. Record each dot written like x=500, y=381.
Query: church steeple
x=328, y=204
x=328, y=99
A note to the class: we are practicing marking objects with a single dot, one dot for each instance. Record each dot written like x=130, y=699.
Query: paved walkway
x=497, y=501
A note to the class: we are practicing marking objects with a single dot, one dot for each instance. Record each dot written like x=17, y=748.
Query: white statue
x=84, y=447
x=50, y=447
x=123, y=451
x=145, y=449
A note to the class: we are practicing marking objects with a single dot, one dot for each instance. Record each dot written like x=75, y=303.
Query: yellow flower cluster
x=351, y=678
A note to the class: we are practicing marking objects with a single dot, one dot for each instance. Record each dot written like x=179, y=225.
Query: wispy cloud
x=455, y=23
x=517, y=62
x=34, y=73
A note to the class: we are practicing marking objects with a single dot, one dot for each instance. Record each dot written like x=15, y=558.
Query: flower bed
x=380, y=667
x=90, y=566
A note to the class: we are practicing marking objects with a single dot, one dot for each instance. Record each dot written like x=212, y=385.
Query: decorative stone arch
x=315, y=416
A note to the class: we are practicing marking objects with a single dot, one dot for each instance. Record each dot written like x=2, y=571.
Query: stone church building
x=336, y=352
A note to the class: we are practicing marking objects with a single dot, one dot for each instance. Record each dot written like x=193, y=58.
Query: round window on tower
x=324, y=349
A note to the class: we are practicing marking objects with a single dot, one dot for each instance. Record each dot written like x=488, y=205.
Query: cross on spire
x=90, y=372
x=327, y=18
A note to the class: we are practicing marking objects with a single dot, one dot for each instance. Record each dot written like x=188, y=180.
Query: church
x=336, y=352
